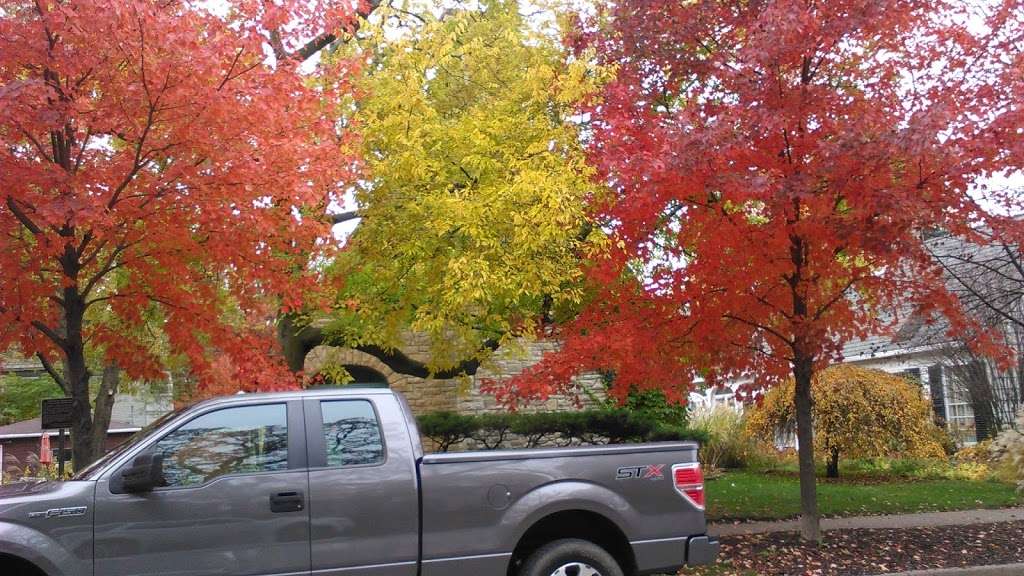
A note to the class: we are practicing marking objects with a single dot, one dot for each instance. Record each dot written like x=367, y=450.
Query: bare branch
x=758, y=326
x=345, y=217
x=52, y=372
x=227, y=75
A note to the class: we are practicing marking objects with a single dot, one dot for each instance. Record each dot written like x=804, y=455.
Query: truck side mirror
x=145, y=473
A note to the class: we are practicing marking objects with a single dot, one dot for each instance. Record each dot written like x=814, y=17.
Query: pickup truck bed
x=476, y=503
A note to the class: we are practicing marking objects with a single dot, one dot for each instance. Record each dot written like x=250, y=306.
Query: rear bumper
x=671, y=554
x=701, y=550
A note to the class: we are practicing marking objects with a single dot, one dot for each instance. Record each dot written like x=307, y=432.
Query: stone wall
x=458, y=394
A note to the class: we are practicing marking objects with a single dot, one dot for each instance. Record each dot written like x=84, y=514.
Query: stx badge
x=652, y=472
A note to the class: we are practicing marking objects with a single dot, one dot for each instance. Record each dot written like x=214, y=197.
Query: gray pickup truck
x=334, y=483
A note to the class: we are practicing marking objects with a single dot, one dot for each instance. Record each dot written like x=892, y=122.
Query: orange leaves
x=155, y=164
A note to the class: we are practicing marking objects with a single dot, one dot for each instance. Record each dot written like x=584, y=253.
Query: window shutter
x=938, y=392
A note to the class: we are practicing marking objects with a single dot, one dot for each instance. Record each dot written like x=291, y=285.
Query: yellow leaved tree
x=857, y=413
x=471, y=215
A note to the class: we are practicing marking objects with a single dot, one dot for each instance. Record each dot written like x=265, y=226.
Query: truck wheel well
x=14, y=565
x=581, y=524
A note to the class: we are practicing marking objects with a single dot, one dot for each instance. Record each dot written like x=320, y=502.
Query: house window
x=959, y=413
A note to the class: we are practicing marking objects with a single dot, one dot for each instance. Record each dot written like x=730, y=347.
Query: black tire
x=548, y=559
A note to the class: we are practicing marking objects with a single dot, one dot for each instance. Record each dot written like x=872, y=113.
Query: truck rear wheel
x=570, y=557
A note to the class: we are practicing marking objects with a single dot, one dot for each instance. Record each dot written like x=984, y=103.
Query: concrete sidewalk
x=921, y=520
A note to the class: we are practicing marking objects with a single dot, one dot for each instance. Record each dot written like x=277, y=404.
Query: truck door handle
x=287, y=502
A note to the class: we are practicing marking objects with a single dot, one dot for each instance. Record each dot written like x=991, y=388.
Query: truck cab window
x=242, y=440
x=352, y=433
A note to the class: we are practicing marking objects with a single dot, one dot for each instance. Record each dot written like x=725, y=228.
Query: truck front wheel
x=570, y=557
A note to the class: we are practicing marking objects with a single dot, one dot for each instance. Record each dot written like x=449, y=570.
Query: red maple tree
x=774, y=167
x=162, y=165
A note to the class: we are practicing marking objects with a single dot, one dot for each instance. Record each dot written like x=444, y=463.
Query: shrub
x=1008, y=448
x=651, y=405
x=917, y=469
x=540, y=428
x=727, y=444
x=666, y=433
x=495, y=429
x=33, y=469
x=621, y=425
x=980, y=453
x=857, y=413
x=447, y=428
x=587, y=427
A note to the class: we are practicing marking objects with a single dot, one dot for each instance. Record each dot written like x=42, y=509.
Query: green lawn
x=767, y=496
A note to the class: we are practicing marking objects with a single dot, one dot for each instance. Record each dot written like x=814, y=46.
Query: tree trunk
x=103, y=407
x=1019, y=334
x=76, y=376
x=803, y=373
x=833, y=464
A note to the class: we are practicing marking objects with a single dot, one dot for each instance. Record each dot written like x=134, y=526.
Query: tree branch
x=52, y=372
x=345, y=217
x=227, y=75
x=317, y=44
x=758, y=326
x=51, y=334
x=298, y=341
x=981, y=298
x=22, y=217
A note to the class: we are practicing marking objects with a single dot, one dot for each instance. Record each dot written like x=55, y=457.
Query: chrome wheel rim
x=576, y=569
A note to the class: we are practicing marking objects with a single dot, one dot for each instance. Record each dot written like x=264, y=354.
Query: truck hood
x=38, y=488
x=21, y=498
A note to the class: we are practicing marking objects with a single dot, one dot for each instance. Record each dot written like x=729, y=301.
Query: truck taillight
x=689, y=481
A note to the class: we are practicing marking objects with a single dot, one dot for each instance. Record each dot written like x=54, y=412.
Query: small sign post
x=60, y=450
x=56, y=414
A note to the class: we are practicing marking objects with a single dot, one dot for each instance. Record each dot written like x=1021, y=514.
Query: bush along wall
x=450, y=431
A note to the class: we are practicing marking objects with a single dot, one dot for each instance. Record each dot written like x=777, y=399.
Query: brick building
x=20, y=442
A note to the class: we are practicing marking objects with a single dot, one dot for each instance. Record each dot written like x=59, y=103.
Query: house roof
x=33, y=429
x=972, y=271
x=11, y=363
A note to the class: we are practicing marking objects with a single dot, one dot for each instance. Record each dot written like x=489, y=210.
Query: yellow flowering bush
x=858, y=413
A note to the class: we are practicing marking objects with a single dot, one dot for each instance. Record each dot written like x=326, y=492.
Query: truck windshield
x=90, y=471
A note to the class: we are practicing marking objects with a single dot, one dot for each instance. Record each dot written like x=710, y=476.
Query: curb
x=894, y=521
x=994, y=570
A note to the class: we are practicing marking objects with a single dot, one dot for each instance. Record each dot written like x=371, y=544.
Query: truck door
x=234, y=501
x=363, y=491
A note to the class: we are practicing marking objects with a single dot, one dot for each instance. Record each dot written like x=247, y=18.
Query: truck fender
x=564, y=496
x=29, y=545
